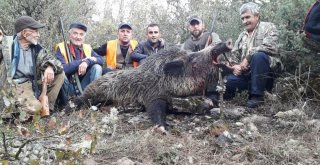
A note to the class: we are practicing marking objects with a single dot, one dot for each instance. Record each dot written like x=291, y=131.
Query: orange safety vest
x=111, y=56
x=86, y=49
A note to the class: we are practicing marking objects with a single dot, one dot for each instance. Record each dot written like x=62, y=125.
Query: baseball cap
x=194, y=18
x=125, y=24
x=26, y=22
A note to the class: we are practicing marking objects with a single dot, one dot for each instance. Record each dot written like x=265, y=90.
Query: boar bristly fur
x=169, y=73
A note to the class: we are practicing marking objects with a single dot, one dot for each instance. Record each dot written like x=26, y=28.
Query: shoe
x=255, y=101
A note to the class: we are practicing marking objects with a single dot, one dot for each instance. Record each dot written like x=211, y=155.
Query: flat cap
x=125, y=25
x=26, y=22
x=78, y=25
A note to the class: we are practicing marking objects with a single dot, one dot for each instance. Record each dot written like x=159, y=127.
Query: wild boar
x=170, y=73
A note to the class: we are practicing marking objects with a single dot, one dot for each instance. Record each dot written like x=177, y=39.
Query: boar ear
x=173, y=68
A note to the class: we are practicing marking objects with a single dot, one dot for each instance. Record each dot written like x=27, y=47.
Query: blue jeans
x=256, y=82
x=67, y=89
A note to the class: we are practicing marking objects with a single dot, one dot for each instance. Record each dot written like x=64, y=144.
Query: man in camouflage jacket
x=28, y=65
x=254, y=57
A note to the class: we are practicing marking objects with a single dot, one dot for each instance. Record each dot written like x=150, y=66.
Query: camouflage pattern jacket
x=264, y=39
x=43, y=59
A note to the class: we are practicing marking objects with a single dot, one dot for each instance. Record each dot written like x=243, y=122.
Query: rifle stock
x=74, y=78
x=43, y=98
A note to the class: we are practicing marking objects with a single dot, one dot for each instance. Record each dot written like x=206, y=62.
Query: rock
x=215, y=113
x=37, y=147
x=250, y=131
x=216, y=129
x=315, y=123
x=255, y=119
x=192, y=104
x=125, y=161
x=29, y=148
x=291, y=114
x=89, y=161
x=33, y=157
x=234, y=114
x=224, y=139
x=17, y=143
x=36, y=152
x=25, y=159
x=239, y=124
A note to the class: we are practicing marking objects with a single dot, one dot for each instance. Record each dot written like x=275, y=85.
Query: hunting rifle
x=74, y=77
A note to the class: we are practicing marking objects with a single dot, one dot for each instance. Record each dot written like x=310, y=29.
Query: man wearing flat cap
x=117, y=52
x=29, y=65
x=199, y=39
x=85, y=63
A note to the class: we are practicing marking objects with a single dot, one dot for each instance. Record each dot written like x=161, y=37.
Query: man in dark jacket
x=26, y=62
x=153, y=44
x=85, y=63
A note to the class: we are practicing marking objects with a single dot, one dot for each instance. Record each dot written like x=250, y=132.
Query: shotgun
x=74, y=78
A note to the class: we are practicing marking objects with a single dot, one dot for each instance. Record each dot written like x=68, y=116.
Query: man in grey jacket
x=199, y=38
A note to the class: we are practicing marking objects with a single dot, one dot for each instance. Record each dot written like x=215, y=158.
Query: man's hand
x=48, y=75
x=92, y=59
x=82, y=68
x=244, y=65
x=236, y=70
x=119, y=66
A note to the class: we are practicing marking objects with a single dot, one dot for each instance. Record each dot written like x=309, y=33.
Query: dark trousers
x=259, y=78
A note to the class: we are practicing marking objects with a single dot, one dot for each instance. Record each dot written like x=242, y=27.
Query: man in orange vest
x=117, y=52
x=85, y=62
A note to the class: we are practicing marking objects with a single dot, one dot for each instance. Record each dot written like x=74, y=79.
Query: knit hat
x=26, y=22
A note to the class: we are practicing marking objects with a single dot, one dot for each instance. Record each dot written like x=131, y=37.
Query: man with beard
x=29, y=66
x=153, y=44
x=117, y=52
x=254, y=58
x=199, y=38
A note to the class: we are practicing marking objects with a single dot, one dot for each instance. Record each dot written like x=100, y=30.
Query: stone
x=33, y=157
x=192, y=104
x=234, y=114
x=125, y=161
x=25, y=159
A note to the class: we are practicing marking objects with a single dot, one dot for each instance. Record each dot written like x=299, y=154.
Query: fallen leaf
x=68, y=140
x=23, y=131
x=52, y=123
x=88, y=137
x=64, y=128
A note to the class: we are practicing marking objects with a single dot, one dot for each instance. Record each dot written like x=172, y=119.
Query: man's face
x=249, y=20
x=125, y=35
x=77, y=36
x=196, y=28
x=153, y=34
x=31, y=35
